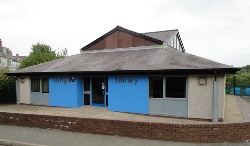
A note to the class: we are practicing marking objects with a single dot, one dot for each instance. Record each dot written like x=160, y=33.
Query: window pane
x=86, y=99
x=176, y=87
x=107, y=89
x=86, y=83
x=35, y=84
x=107, y=99
x=45, y=85
x=155, y=87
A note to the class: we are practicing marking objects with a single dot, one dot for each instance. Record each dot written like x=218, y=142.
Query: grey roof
x=162, y=35
x=132, y=59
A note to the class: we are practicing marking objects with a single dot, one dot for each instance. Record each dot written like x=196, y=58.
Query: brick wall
x=202, y=133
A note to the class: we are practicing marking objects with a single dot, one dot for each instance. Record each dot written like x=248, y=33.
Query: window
x=107, y=79
x=8, y=62
x=86, y=99
x=156, y=87
x=175, y=87
x=40, y=85
x=45, y=85
x=86, y=83
x=35, y=84
x=4, y=50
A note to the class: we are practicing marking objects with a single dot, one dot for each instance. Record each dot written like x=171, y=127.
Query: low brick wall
x=201, y=133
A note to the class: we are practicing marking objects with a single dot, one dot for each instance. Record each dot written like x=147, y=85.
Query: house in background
x=7, y=60
x=126, y=71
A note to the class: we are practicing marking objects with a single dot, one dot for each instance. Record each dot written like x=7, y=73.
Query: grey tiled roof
x=162, y=35
x=126, y=60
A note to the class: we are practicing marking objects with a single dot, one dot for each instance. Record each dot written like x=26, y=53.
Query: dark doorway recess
x=97, y=92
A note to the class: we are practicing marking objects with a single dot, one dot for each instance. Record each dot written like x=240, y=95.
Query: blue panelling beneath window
x=80, y=92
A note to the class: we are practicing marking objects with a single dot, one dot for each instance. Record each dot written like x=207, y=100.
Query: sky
x=218, y=30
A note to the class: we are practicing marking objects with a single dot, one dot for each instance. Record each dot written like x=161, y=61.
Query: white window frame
x=164, y=87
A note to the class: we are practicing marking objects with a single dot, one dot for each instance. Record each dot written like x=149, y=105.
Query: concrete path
x=245, y=108
x=92, y=112
x=232, y=109
x=64, y=138
x=233, y=112
x=14, y=134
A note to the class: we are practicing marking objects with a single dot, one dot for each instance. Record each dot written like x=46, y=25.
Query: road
x=64, y=138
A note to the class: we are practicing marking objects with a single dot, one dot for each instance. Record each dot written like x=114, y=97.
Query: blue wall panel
x=128, y=94
x=80, y=92
x=65, y=93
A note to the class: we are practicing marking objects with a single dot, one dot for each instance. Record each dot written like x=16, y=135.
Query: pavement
x=232, y=109
x=244, y=108
x=94, y=112
x=4, y=142
x=37, y=137
x=233, y=112
x=236, y=110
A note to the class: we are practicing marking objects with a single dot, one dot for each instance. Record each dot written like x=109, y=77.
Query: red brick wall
x=202, y=133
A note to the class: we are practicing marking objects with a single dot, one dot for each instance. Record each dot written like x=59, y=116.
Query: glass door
x=98, y=92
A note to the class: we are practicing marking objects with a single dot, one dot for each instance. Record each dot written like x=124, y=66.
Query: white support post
x=215, y=102
x=17, y=92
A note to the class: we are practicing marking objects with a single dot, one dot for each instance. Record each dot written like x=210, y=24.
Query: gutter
x=133, y=72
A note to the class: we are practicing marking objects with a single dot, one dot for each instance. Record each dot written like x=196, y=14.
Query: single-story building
x=126, y=71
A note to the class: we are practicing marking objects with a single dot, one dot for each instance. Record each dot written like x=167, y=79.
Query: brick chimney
x=0, y=43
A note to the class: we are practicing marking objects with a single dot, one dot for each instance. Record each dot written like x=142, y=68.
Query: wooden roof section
x=120, y=37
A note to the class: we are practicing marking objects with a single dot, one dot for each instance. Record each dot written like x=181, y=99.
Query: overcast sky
x=214, y=29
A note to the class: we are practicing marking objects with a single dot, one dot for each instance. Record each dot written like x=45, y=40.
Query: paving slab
x=93, y=112
x=244, y=107
x=235, y=108
x=232, y=109
x=4, y=142
x=65, y=138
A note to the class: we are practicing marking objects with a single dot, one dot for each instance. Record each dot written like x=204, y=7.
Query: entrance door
x=98, y=92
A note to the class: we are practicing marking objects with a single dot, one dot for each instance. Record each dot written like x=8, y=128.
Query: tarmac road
x=64, y=138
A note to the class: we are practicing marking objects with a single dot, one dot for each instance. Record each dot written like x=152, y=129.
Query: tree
x=6, y=86
x=242, y=79
x=41, y=53
x=244, y=69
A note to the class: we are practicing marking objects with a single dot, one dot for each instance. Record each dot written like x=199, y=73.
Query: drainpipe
x=17, y=92
x=215, y=98
x=234, y=84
